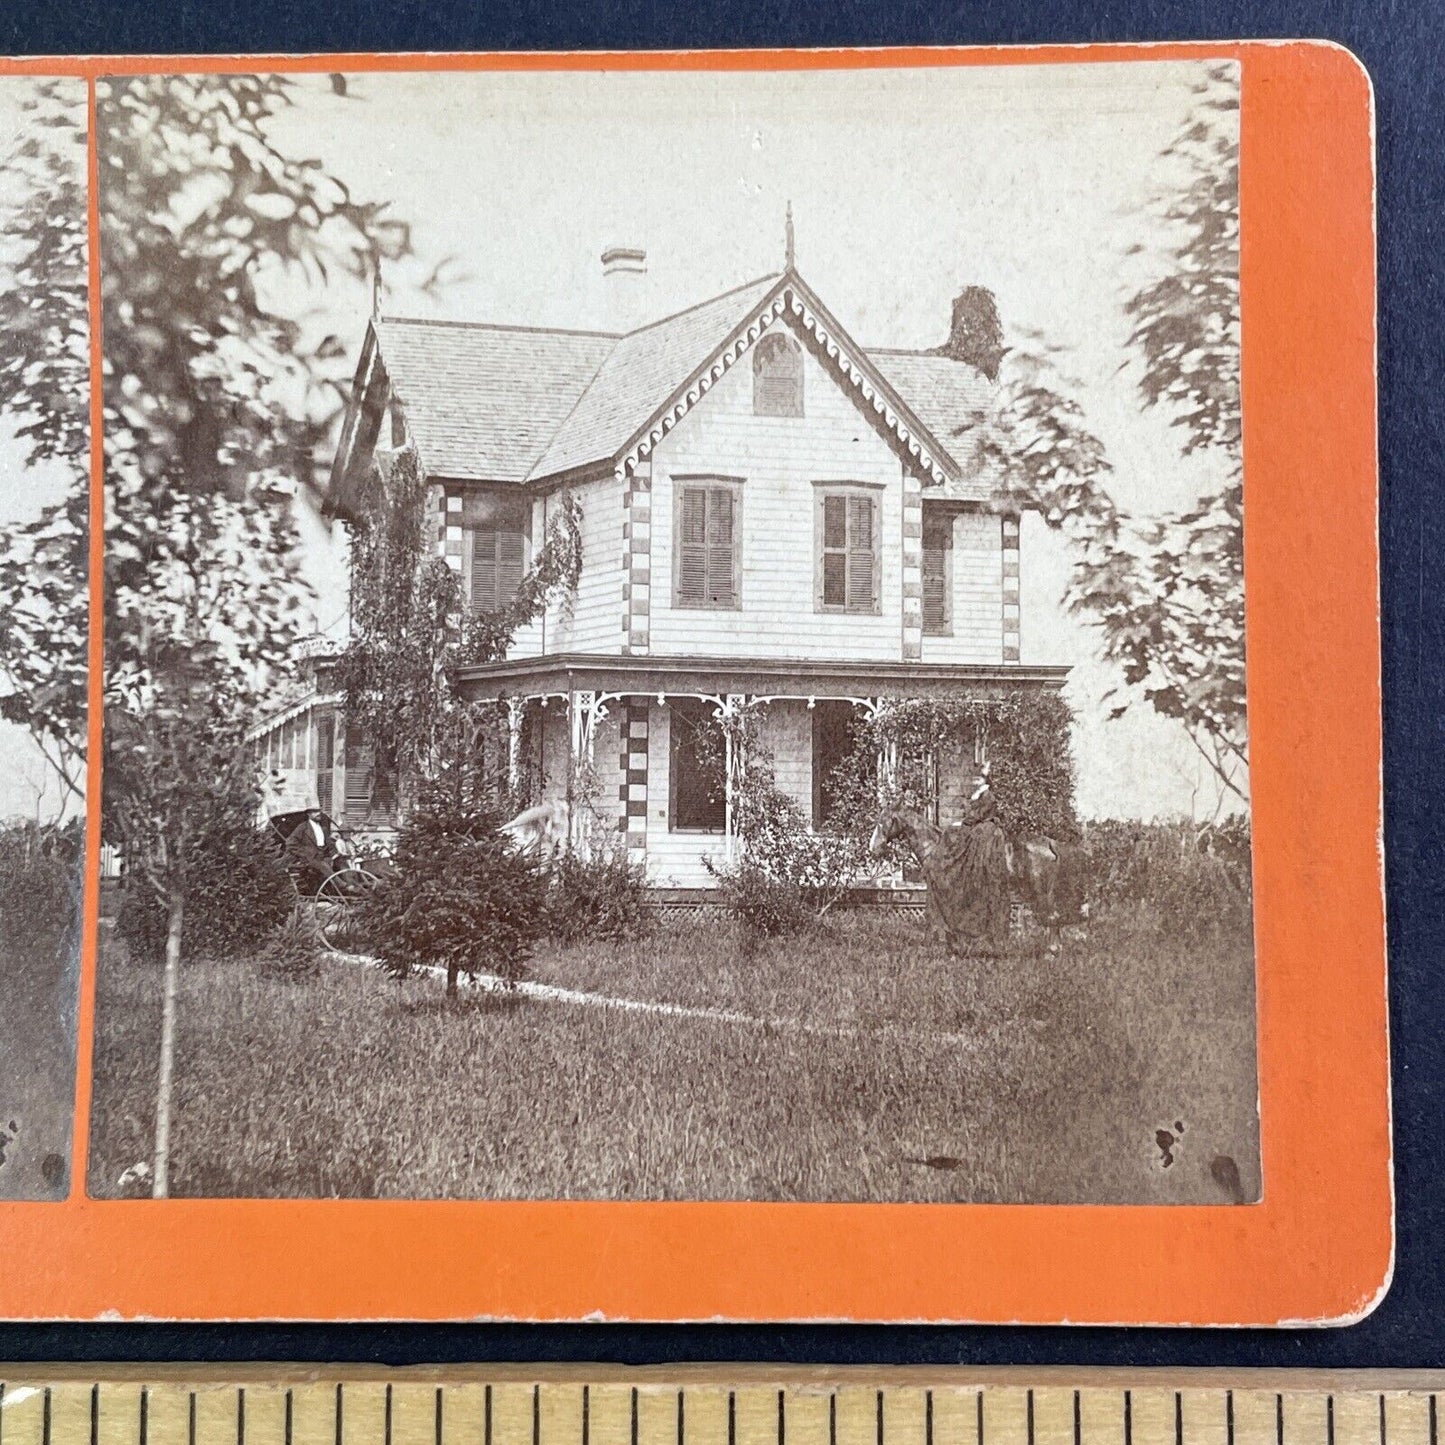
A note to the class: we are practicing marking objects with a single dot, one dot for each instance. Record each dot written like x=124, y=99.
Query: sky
x=905, y=185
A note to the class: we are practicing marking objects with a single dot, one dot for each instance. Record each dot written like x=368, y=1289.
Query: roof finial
x=376, y=291
x=789, y=259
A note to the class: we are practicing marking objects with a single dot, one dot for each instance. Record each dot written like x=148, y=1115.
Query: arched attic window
x=777, y=376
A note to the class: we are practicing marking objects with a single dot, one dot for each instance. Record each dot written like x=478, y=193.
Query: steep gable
x=643, y=370
x=519, y=404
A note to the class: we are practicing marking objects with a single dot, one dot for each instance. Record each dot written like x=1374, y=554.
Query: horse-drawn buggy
x=332, y=879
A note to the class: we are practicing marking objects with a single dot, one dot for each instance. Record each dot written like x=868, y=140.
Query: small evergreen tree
x=458, y=896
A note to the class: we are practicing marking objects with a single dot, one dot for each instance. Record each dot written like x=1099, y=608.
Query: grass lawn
x=914, y=1076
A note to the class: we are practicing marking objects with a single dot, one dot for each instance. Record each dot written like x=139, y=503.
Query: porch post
x=515, y=706
x=733, y=765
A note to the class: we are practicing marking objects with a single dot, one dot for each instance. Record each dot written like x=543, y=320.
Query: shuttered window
x=358, y=762
x=708, y=537
x=848, y=553
x=499, y=560
x=325, y=721
x=777, y=377
x=937, y=572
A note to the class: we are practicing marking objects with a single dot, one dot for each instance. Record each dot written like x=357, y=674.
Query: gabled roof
x=644, y=369
x=483, y=402
x=518, y=404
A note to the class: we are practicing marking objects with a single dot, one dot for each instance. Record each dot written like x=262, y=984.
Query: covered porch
x=618, y=737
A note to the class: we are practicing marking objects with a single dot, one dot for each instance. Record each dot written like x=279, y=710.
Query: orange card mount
x=733, y=686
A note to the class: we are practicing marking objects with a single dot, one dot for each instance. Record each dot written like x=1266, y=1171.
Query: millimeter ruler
x=710, y=1405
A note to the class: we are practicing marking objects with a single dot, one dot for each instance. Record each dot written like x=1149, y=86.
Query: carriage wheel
x=337, y=908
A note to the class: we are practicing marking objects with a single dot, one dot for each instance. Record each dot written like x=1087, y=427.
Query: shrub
x=786, y=876
x=1194, y=882
x=591, y=900
x=457, y=897
x=237, y=894
x=292, y=951
x=39, y=901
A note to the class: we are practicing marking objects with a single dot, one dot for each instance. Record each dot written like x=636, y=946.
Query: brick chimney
x=624, y=272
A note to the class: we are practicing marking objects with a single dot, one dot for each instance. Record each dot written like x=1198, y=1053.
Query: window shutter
x=484, y=568
x=777, y=377
x=835, y=551
x=511, y=565
x=720, y=590
x=861, y=539
x=357, y=795
x=692, y=549
x=937, y=545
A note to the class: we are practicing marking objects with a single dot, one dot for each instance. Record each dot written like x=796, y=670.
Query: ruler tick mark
x=288, y=1419
x=1229, y=1417
x=45, y=1418
x=191, y=1418
x=536, y=1416
x=732, y=1418
x=439, y=1419
x=145, y=1410
x=832, y=1419
x=782, y=1426
x=634, y=1417
x=679, y=1417
x=1178, y=1417
x=1078, y=1420
x=338, y=1413
x=1128, y=1417
x=241, y=1417
x=487, y=1416
x=928, y=1417
x=1029, y=1417
x=880, y=1418
x=586, y=1416
x=386, y=1423
x=1279, y=1419
x=1330, y=1419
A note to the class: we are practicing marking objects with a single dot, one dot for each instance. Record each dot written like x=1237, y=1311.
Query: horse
x=541, y=829
x=962, y=868
x=966, y=870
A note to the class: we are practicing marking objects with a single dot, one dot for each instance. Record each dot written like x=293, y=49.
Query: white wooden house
x=768, y=510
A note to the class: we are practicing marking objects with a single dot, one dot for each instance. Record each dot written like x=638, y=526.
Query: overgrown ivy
x=1024, y=737
x=410, y=628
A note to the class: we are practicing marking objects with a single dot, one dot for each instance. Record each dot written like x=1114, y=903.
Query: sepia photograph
x=668, y=636
x=44, y=620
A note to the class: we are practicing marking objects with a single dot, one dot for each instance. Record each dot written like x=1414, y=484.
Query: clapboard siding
x=977, y=596
x=779, y=459
x=593, y=620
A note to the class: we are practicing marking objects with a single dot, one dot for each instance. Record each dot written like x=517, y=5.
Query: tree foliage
x=45, y=398
x=409, y=627
x=1166, y=592
x=458, y=899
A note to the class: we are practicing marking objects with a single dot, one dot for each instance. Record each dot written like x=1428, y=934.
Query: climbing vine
x=1023, y=737
x=409, y=628
x=555, y=572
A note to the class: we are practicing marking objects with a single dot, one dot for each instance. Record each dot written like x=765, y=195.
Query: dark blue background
x=1403, y=45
